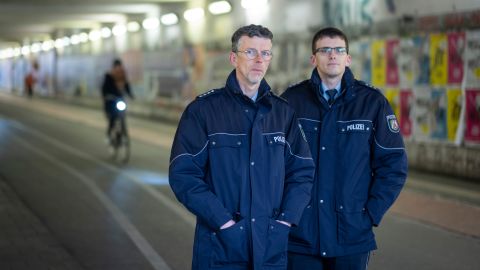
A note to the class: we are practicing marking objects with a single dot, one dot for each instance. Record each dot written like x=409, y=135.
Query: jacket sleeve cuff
x=219, y=219
x=289, y=217
x=374, y=218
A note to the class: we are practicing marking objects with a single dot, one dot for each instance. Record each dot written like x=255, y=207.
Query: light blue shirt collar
x=324, y=88
x=254, y=97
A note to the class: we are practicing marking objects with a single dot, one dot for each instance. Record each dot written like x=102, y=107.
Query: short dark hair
x=117, y=62
x=251, y=30
x=330, y=32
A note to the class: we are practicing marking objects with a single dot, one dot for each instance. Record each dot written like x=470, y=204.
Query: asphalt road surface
x=106, y=215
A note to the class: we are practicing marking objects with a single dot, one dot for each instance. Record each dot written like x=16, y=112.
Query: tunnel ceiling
x=32, y=20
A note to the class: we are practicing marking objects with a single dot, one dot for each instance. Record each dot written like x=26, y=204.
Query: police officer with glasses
x=361, y=163
x=240, y=164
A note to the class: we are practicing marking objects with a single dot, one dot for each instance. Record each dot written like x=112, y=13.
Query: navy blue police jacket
x=361, y=166
x=233, y=158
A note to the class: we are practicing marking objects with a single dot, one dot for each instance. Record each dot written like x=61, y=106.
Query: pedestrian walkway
x=452, y=204
x=25, y=243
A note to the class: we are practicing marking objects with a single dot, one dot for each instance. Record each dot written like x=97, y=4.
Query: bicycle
x=118, y=137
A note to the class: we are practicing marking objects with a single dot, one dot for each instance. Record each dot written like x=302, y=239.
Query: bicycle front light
x=121, y=106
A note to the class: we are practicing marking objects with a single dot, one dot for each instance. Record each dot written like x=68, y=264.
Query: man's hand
x=284, y=223
x=230, y=223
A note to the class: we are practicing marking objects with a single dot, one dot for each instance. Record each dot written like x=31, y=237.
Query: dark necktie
x=331, y=96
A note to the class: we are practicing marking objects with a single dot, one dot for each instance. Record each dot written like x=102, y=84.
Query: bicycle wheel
x=123, y=150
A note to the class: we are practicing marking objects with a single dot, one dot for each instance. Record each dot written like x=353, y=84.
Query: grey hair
x=251, y=30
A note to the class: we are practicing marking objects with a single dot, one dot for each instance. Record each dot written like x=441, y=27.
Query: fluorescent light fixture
x=106, y=32
x=36, y=47
x=16, y=52
x=119, y=29
x=251, y=4
x=220, y=7
x=26, y=50
x=47, y=45
x=133, y=26
x=94, y=35
x=150, y=23
x=75, y=39
x=169, y=19
x=8, y=53
x=83, y=37
x=66, y=41
x=58, y=43
x=194, y=14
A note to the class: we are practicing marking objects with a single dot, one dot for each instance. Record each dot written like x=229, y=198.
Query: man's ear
x=349, y=60
x=233, y=59
x=313, y=60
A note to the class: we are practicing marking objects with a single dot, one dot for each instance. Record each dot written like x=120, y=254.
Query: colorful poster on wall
x=378, y=63
x=472, y=58
x=421, y=63
x=439, y=113
x=438, y=59
x=472, y=119
x=456, y=49
x=6, y=74
x=45, y=79
x=405, y=62
x=406, y=105
x=393, y=97
x=361, y=63
x=76, y=75
x=454, y=108
x=392, y=53
x=356, y=65
x=422, y=113
x=366, y=60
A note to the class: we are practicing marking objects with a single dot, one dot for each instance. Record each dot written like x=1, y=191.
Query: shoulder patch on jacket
x=368, y=85
x=208, y=93
x=393, y=123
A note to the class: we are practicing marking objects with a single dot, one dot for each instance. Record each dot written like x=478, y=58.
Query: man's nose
x=258, y=58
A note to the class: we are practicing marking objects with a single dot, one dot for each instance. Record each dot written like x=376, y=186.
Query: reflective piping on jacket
x=387, y=148
x=355, y=120
x=230, y=134
x=318, y=121
x=188, y=154
x=271, y=133
x=290, y=150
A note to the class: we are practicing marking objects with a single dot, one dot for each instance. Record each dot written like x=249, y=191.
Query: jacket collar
x=233, y=87
x=348, y=80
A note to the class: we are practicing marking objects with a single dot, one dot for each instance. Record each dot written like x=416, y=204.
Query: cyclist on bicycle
x=115, y=86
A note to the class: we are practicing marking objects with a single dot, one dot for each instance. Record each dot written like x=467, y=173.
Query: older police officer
x=239, y=162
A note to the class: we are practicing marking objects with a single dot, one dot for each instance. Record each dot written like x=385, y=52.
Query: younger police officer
x=360, y=157
x=240, y=163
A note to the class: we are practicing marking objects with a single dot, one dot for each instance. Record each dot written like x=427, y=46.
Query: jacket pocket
x=354, y=224
x=277, y=242
x=276, y=140
x=227, y=158
x=229, y=246
x=226, y=140
x=305, y=234
x=311, y=130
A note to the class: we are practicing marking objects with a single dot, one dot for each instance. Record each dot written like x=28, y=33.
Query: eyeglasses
x=328, y=50
x=253, y=53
